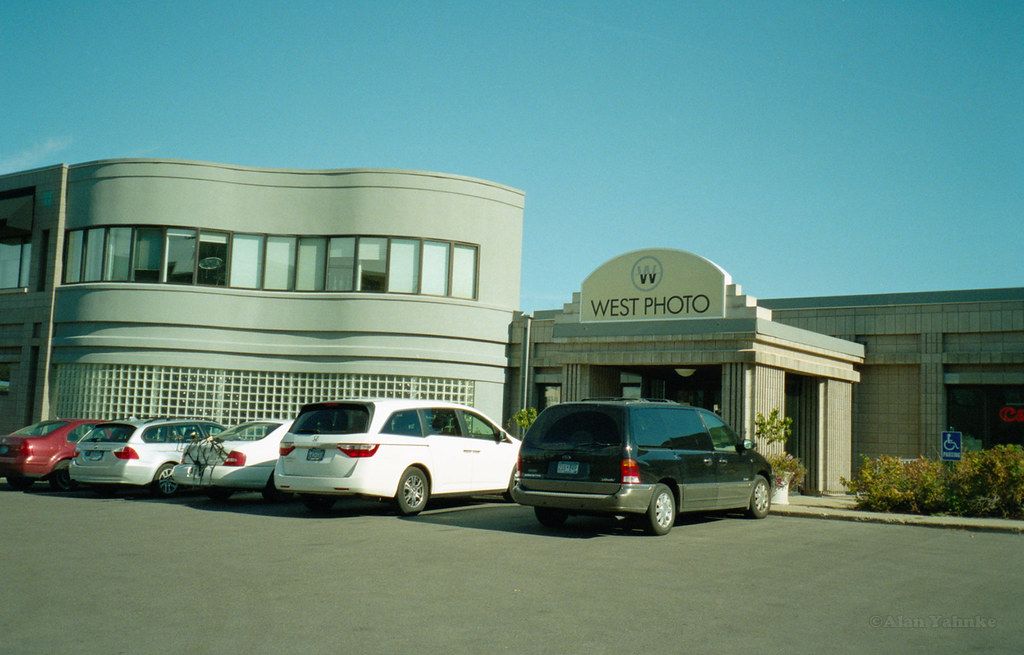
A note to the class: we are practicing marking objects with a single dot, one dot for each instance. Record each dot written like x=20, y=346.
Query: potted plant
x=773, y=431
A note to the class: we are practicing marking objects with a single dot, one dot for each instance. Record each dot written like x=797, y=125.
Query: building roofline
x=296, y=171
x=888, y=299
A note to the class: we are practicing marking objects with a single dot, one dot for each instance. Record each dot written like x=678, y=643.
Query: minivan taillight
x=359, y=449
x=285, y=449
x=235, y=458
x=630, y=471
x=126, y=453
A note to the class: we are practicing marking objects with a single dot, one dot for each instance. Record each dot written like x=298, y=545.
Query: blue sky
x=809, y=148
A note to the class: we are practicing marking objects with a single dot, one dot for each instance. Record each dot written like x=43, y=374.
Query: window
x=435, y=268
x=571, y=425
x=404, y=266
x=333, y=419
x=73, y=268
x=309, y=273
x=213, y=259
x=118, y=264
x=678, y=429
x=246, y=260
x=178, y=255
x=14, y=260
x=93, y=268
x=464, y=272
x=442, y=421
x=405, y=422
x=248, y=431
x=40, y=429
x=149, y=254
x=75, y=435
x=721, y=434
x=372, y=261
x=478, y=428
x=280, y=263
x=181, y=256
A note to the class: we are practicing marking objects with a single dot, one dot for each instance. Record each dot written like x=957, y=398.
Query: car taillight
x=126, y=453
x=359, y=449
x=235, y=458
x=519, y=465
x=630, y=471
x=25, y=449
x=286, y=449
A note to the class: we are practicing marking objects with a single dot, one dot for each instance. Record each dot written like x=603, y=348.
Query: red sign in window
x=1011, y=414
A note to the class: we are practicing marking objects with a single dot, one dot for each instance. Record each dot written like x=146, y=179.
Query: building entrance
x=700, y=386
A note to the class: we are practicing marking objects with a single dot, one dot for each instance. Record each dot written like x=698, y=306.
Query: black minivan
x=647, y=458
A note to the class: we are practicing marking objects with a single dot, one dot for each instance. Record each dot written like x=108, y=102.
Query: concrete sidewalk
x=842, y=508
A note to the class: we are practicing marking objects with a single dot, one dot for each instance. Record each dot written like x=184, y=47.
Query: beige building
x=859, y=375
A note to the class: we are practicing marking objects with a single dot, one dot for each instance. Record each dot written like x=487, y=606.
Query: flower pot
x=780, y=496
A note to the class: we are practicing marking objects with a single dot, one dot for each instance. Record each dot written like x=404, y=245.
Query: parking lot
x=131, y=574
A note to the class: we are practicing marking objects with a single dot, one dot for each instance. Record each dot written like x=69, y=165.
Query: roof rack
x=664, y=401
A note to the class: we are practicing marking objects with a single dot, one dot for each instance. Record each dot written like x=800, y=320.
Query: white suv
x=137, y=452
x=406, y=450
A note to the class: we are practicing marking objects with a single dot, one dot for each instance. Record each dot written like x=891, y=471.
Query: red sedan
x=42, y=450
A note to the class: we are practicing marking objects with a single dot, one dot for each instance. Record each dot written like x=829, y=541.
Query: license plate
x=568, y=468
x=315, y=454
x=94, y=455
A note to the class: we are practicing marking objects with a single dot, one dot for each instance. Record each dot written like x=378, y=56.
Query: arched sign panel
x=648, y=285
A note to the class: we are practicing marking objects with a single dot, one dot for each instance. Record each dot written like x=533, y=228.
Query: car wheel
x=163, y=485
x=512, y=480
x=550, y=518
x=19, y=483
x=661, y=513
x=413, y=492
x=219, y=494
x=319, y=504
x=271, y=493
x=760, y=499
x=60, y=479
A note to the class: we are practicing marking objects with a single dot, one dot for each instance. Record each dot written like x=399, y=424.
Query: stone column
x=836, y=436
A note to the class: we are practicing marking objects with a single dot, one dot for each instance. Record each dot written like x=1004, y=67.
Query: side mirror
x=749, y=445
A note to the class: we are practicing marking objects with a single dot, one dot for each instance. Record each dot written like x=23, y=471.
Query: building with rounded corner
x=171, y=288
x=154, y=287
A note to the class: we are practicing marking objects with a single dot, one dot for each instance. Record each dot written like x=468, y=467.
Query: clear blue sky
x=809, y=148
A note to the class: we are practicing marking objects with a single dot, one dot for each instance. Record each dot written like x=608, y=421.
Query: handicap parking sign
x=951, y=446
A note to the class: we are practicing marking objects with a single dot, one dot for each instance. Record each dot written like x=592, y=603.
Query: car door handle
x=470, y=451
x=708, y=461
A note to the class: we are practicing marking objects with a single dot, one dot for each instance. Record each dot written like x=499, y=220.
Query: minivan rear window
x=332, y=419
x=574, y=426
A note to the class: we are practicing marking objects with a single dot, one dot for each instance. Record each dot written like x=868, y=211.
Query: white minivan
x=405, y=450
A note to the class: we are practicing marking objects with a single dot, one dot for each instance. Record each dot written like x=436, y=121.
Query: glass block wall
x=111, y=391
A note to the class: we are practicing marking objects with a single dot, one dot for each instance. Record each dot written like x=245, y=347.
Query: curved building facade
x=235, y=293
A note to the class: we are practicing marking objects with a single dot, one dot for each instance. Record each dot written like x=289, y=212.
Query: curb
x=1005, y=526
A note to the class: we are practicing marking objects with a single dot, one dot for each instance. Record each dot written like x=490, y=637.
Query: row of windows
x=275, y=263
x=15, y=256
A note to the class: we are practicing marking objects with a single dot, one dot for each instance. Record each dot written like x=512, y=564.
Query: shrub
x=888, y=484
x=988, y=483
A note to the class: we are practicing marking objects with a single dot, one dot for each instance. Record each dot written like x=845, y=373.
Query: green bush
x=888, y=484
x=988, y=483
x=984, y=483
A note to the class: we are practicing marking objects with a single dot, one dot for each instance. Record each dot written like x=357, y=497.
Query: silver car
x=137, y=453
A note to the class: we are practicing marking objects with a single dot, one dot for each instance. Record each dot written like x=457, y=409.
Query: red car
x=42, y=450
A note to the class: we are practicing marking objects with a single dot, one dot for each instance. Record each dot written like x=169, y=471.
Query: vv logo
x=647, y=274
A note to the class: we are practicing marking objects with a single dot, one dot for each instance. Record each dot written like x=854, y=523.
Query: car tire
x=219, y=494
x=760, y=498
x=661, y=513
x=271, y=493
x=163, y=485
x=20, y=482
x=319, y=504
x=550, y=517
x=413, y=492
x=60, y=478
